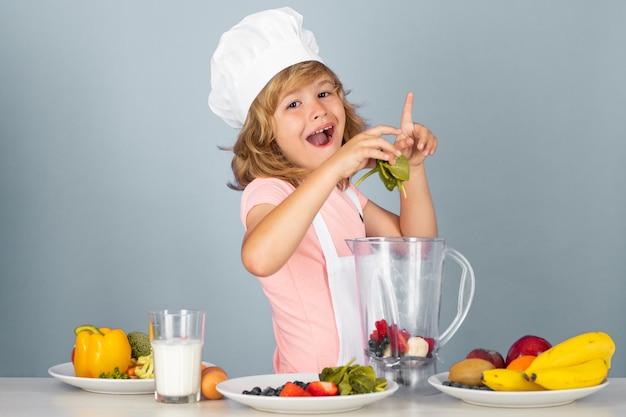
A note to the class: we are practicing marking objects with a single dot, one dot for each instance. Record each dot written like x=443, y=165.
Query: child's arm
x=274, y=232
x=417, y=213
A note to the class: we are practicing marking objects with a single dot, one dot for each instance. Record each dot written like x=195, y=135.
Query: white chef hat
x=250, y=54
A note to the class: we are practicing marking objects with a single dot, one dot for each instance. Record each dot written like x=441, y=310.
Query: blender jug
x=400, y=283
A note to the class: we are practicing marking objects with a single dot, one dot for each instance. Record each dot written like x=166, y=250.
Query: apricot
x=521, y=363
x=211, y=376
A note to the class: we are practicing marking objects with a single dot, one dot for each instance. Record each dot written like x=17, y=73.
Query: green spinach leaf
x=353, y=379
x=392, y=176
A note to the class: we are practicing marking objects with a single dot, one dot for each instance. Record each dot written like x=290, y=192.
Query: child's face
x=309, y=123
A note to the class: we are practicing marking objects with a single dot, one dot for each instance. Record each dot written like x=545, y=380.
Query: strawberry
x=431, y=343
x=374, y=336
x=402, y=346
x=322, y=388
x=405, y=333
x=382, y=329
x=292, y=390
x=398, y=339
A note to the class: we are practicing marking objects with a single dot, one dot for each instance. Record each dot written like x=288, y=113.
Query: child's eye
x=324, y=94
x=292, y=105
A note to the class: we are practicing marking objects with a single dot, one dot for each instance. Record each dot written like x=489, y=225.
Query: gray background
x=112, y=187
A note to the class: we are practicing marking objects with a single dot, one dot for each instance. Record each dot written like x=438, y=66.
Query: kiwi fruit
x=469, y=371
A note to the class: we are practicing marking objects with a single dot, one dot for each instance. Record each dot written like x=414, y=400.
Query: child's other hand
x=416, y=141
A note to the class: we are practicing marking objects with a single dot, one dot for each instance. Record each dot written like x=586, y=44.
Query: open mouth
x=321, y=137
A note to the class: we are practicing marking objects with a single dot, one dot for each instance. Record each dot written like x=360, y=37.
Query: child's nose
x=318, y=110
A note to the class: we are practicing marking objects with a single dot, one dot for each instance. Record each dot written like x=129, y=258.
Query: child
x=299, y=145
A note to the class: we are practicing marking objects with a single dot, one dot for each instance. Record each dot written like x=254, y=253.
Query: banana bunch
x=586, y=374
x=579, y=362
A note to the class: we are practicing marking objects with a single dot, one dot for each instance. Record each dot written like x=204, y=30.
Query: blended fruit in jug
x=177, y=366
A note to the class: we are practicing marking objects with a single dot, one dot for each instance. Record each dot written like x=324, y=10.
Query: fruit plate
x=527, y=399
x=65, y=373
x=233, y=388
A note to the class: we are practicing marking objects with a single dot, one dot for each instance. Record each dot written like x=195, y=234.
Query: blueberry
x=301, y=384
x=253, y=391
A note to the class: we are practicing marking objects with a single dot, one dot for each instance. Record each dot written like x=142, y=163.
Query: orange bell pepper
x=100, y=350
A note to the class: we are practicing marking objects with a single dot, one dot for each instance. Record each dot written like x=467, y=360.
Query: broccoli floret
x=145, y=367
x=139, y=344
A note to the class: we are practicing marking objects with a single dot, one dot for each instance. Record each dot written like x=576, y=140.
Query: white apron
x=344, y=292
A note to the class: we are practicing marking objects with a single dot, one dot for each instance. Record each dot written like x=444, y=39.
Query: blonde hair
x=256, y=153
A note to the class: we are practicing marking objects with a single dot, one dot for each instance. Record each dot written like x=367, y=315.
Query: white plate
x=65, y=373
x=526, y=399
x=233, y=389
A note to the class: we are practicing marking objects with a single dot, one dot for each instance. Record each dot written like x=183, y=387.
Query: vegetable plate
x=65, y=373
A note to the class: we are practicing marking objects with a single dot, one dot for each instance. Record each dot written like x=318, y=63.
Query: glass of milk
x=177, y=337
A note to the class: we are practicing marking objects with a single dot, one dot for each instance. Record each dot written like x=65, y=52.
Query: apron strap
x=326, y=241
x=355, y=200
x=323, y=234
x=343, y=289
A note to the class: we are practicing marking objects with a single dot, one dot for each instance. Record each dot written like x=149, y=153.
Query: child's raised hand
x=416, y=141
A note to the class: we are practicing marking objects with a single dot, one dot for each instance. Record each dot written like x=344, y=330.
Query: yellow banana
x=575, y=350
x=502, y=379
x=586, y=374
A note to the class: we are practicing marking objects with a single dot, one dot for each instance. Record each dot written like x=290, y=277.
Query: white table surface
x=50, y=397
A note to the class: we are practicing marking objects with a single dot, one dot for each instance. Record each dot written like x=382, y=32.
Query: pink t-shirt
x=302, y=310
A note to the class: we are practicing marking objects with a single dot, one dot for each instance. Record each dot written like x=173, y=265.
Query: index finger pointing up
x=407, y=113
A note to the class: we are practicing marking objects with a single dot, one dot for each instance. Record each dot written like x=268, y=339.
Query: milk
x=177, y=367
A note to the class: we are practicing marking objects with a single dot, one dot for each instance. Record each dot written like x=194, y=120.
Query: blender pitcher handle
x=466, y=294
